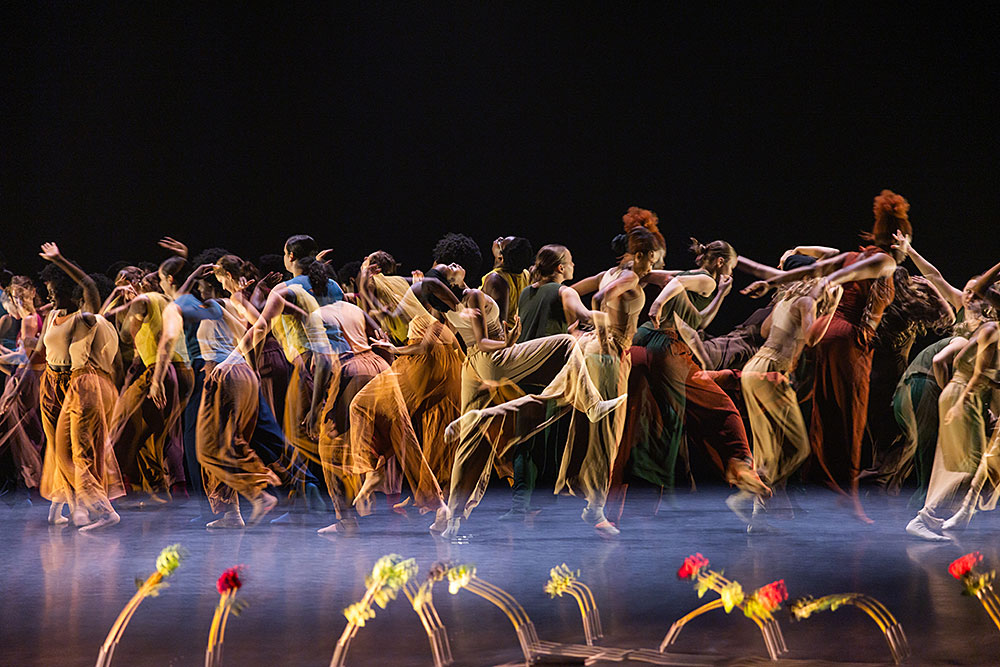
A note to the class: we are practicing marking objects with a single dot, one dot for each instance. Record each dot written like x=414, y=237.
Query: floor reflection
x=61, y=590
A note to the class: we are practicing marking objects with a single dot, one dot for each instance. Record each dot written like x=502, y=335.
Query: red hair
x=891, y=215
x=641, y=217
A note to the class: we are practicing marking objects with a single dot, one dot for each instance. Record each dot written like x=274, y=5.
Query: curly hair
x=62, y=285
x=517, y=254
x=891, y=215
x=460, y=249
x=641, y=217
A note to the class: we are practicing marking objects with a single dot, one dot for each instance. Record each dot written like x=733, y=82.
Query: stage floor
x=61, y=590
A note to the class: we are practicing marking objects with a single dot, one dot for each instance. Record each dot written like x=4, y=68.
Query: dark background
x=384, y=125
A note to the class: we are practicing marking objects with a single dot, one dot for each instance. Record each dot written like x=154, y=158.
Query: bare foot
x=106, y=521
x=344, y=527
x=742, y=476
x=262, y=504
x=56, y=517
x=606, y=529
x=451, y=531
x=230, y=520
x=960, y=520
x=440, y=520
x=81, y=517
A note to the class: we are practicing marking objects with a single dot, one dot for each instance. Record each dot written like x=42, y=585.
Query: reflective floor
x=60, y=590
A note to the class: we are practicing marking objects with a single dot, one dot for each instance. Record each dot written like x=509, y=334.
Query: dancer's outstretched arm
x=91, y=298
x=952, y=294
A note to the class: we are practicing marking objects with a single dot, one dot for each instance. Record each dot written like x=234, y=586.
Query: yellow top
x=515, y=283
x=147, y=339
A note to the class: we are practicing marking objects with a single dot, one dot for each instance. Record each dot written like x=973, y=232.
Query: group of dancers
x=289, y=383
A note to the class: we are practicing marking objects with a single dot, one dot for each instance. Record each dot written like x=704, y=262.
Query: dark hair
x=547, y=260
x=914, y=309
x=348, y=272
x=147, y=267
x=5, y=278
x=271, y=263
x=104, y=287
x=796, y=261
x=460, y=249
x=133, y=274
x=115, y=268
x=303, y=249
x=517, y=254
x=705, y=253
x=209, y=256
x=62, y=284
x=619, y=245
x=641, y=239
x=432, y=299
x=175, y=267
x=386, y=263
x=232, y=265
x=301, y=246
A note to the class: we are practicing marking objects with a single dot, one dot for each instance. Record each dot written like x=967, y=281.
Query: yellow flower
x=459, y=577
x=707, y=580
x=358, y=613
x=562, y=578
x=170, y=559
x=732, y=595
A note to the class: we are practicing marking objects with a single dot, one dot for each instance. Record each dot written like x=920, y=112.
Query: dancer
x=781, y=442
x=229, y=402
x=512, y=256
x=77, y=397
x=961, y=443
x=844, y=356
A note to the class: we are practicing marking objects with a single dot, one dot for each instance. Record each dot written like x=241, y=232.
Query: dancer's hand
x=725, y=285
x=310, y=426
x=158, y=394
x=324, y=255
x=174, y=246
x=271, y=279
x=417, y=276
x=654, y=314
x=756, y=289
x=50, y=252
x=513, y=333
x=902, y=243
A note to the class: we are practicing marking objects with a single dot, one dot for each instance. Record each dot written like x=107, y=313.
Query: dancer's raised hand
x=174, y=246
x=50, y=252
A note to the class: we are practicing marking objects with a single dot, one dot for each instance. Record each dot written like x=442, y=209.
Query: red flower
x=964, y=565
x=772, y=595
x=692, y=565
x=230, y=580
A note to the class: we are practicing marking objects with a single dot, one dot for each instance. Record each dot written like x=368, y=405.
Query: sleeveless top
x=923, y=363
x=541, y=311
x=147, y=338
x=57, y=339
x=298, y=336
x=700, y=301
x=206, y=333
x=96, y=348
x=463, y=325
x=516, y=282
x=350, y=321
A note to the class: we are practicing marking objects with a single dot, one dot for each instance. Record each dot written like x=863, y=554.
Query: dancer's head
x=229, y=270
x=172, y=272
x=891, y=216
x=60, y=288
x=129, y=275
x=641, y=217
x=515, y=254
x=382, y=262
x=643, y=247
x=24, y=295
x=553, y=262
x=459, y=249
x=300, y=257
x=717, y=257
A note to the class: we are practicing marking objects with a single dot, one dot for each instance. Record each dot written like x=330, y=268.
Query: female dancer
x=146, y=436
x=844, y=356
x=20, y=422
x=512, y=256
x=961, y=434
x=77, y=397
x=229, y=401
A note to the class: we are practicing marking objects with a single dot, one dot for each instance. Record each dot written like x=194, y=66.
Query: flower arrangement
x=977, y=584
x=389, y=574
x=759, y=606
x=166, y=564
x=563, y=580
x=227, y=585
x=803, y=608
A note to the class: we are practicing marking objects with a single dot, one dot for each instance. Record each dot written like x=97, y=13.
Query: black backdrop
x=384, y=125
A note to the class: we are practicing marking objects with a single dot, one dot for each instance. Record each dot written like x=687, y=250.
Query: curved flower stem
x=344, y=643
x=436, y=633
x=512, y=609
x=591, y=603
x=118, y=628
x=990, y=603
